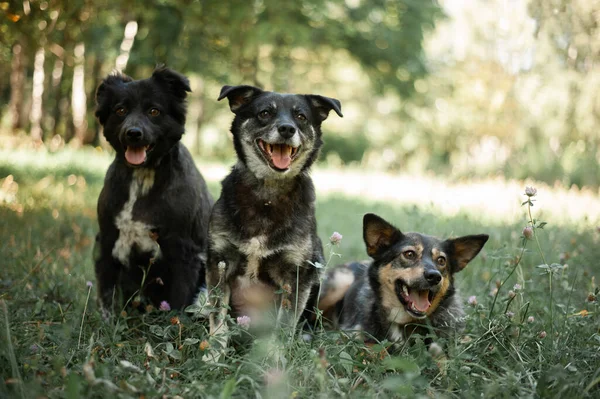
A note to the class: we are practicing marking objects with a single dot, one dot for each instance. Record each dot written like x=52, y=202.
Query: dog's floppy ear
x=239, y=96
x=177, y=84
x=464, y=249
x=322, y=105
x=378, y=234
x=104, y=93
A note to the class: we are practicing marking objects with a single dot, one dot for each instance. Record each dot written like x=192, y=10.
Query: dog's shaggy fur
x=263, y=231
x=154, y=208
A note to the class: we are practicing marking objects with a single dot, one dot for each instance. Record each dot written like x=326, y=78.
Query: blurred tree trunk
x=35, y=116
x=78, y=95
x=199, y=100
x=94, y=139
x=17, y=86
x=57, y=77
x=65, y=104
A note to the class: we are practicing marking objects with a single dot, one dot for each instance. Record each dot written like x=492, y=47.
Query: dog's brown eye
x=154, y=112
x=121, y=111
x=301, y=117
x=409, y=254
x=264, y=114
x=441, y=261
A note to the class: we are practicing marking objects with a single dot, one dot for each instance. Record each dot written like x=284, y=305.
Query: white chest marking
x=133, y=232
x=254, y=249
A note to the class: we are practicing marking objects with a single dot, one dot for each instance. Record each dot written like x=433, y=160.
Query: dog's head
x=143, y=119
x=414, y=272
x=277, y=135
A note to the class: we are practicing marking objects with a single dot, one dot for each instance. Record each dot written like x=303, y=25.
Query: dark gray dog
x=154, y=207
x=263, y=233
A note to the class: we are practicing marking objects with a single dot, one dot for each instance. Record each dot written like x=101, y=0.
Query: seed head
x=204, y=345
x=472, y=300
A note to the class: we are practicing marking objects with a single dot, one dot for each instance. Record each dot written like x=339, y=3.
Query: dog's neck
x=269, y=187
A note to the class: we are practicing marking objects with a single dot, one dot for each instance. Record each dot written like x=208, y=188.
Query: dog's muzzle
x=136, y=147
x=417, y=298
x=279, y=156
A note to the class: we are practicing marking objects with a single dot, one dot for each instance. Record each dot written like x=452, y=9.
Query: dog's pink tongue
x=135, y=155
x=281, y=156
x=420, y=300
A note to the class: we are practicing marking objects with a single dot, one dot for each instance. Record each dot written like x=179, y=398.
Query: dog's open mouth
x=137, y=155
x=416, y=302
x=280, y=156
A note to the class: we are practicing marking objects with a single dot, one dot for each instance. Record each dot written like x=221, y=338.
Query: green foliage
x=507, y=349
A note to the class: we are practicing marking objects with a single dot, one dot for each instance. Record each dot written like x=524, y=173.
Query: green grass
x=50, y=347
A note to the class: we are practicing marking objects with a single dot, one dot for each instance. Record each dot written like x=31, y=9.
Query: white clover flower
x=530, y=191
x=335, y=238
x=244, y=321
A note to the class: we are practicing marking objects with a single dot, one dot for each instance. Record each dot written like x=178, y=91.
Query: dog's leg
x=292, y=307
x=219, y=295
x=107, y=275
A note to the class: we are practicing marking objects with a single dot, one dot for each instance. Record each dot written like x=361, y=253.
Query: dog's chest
x=135, y=235
x=274, y=259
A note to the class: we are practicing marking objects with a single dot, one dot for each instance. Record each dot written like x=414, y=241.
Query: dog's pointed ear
x=378, y=234
x=464, y=249
x=239, y=96
x=104, y=94
x=177, y=84
x=322, y=105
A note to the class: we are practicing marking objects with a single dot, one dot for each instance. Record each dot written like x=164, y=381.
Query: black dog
x=154, y=208
x=263, y=231
x=409, y=284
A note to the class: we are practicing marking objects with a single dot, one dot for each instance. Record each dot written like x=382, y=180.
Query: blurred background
x=463, y=88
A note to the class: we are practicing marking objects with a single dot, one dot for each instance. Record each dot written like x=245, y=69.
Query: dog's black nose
x=433, y=277
x=134, y=134
x=286, y=130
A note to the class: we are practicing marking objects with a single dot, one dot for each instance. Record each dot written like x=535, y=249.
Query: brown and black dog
x=408, y=285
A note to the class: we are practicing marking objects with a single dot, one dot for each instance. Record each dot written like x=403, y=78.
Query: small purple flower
x=528, y=232
x=530, y=191
x=335, y=238
x=34, y=348
x=530, y=319
x=472, y=300
x=244, y=321
x=89, y=284
x=164, y=306
x=510, y=314
x=542, y=334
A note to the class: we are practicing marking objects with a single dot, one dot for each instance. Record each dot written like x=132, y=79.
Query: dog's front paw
x=438, y=354
x=106, y=314
x=216, y=349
